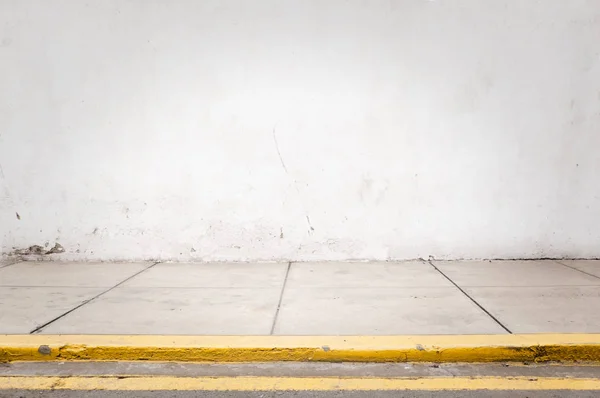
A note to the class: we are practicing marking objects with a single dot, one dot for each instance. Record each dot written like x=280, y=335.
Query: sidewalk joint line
x=39, y=328
x=577, y=269
x=287, y=272
x=471, y=298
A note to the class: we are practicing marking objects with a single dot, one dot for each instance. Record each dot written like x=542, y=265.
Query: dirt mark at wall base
x=38, y=250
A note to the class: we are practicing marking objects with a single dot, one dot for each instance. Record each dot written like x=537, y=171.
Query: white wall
x=214, y=130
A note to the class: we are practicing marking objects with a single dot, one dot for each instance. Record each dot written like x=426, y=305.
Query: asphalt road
x=125, y=372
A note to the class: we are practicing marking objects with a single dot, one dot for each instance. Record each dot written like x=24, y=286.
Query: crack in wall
x=295, y=183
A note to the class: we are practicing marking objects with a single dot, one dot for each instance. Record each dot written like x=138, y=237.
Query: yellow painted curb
x=480, y=348
x=158, y=383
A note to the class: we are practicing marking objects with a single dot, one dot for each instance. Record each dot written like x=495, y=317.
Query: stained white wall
x=300, y=129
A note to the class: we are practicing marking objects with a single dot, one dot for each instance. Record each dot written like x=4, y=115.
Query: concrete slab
x=328, y=298
x=589, y=266
x=68, y=274
x=381, y=311
x=514, y=273
x=183, y=311
x=563, y=309
x=212, y=275
x=340, y=274
x=22, y=309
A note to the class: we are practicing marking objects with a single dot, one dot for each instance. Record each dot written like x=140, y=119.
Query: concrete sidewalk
x=312, y=299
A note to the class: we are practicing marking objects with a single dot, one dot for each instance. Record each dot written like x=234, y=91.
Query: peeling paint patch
x=35, y=249
x=56, y=249
x=38, y=250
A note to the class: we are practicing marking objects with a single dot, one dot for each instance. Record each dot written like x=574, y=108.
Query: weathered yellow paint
x=158, y=383
x=481, y=348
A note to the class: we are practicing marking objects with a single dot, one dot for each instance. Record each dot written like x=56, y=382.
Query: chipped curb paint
x=441, y=349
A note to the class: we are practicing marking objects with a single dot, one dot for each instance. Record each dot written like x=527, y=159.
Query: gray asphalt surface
x=293, y=369
x=296, y=369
